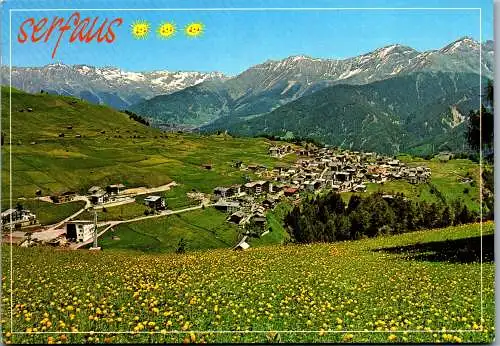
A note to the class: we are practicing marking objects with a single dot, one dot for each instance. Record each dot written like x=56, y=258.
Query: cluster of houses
x=98, y=195
x=315, y=170
x=344, y=171
x=280, y=151
x=247, y=203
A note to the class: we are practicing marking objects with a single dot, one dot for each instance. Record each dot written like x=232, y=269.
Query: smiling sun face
x=140, y=29
x=166, y=30
x=194, y=29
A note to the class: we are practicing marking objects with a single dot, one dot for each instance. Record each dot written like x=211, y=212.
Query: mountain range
x=392, y=99
x=103, y=85
x=267, y=86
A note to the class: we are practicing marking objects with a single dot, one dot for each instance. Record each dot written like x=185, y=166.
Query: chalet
x=393, y=163
x=223, y=192
x=269, y=202
x=79, y=231
x=94, y=189
x=266, y=186
x=278, y=187
x=412, y=178
x=258, y=187
x=396, y=176
x=67, y=196
x=227, y=206
x=250, y=187
x=236, y=217
x=99, y=197
x=274, y=151
x=18, y=218
x=259, y=220
x=280, y=167
x=312, y=185
x=155, y=202
x=342, y=176
x=115, y=189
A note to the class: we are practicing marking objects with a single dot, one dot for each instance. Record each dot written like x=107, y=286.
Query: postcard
x=247, y=172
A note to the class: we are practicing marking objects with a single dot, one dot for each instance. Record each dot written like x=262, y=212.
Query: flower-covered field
x=417, y=287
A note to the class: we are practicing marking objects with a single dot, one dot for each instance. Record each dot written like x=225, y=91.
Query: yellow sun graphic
x=194, y=29
x=166, y=30
x=140, y=29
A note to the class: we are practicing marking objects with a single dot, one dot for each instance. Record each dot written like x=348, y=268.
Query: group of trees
x=137, y=117
x=328, y=219
x=296, y=140
x=480, y=125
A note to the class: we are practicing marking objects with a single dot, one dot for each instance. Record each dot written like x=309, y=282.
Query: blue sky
x=236, y=40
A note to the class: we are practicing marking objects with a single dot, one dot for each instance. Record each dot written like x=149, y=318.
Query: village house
x=342, y=176
x=274, y=151
x=64, y=197
x=258, y=187
x=290, y=191
x=94, y=189
x=223, y=192
x=227, y=206
x=312, y=185
x=236, y=217
x=115, y=189
x=18, y=218
x=155, y=202
x=99, y=197
x=270, y=202
x=79, y=231
x=259, y=221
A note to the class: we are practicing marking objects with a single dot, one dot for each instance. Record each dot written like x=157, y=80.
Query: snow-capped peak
x=462, y=44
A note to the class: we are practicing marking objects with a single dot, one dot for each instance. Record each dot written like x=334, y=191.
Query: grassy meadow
x=201, y=229
x=421, y=287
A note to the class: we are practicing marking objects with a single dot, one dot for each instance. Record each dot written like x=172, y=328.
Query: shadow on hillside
x=456, y=251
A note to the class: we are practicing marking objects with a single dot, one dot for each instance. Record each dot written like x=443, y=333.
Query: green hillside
x=372, y=290
x=112, y=149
